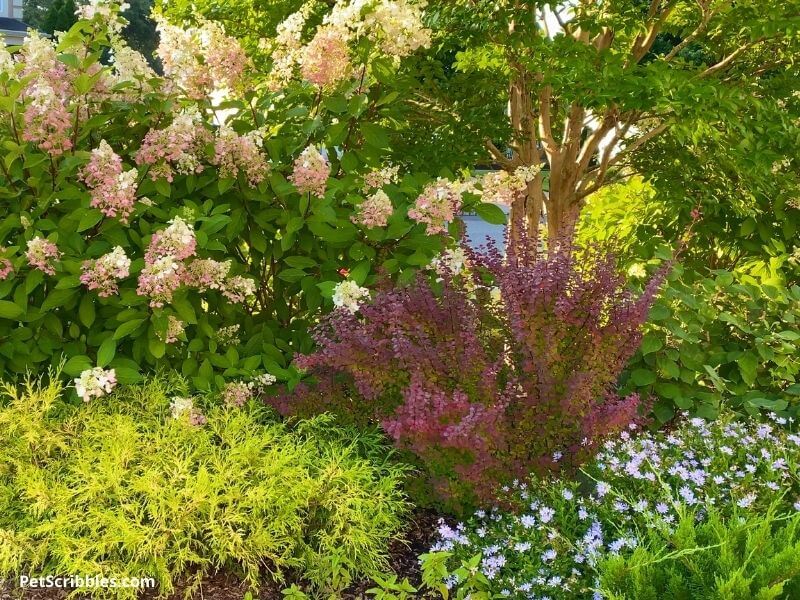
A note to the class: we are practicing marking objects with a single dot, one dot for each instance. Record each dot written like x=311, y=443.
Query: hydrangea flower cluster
x=502, y=187
x=102, y=274
x=46, y=119
x=375, y=210
x=378, y=178
x=6, y=268
x=234, y=152
x=325, y=61
x=237, y=394
x=113, y=189
x=41, y=254
x=436, y=206
x=95, y=383
x=450, y=262
x=179, y=145
x=105, y=12
x=200, y=60
x=238, y=289
x=349, y=295
x=637, y=481
x=394, y=26
x=397, y=27
x=184, y=407
x=164, y=272
x=311, y=172
x=175, y=328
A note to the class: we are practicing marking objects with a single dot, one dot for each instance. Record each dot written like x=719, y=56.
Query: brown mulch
x=223, y=586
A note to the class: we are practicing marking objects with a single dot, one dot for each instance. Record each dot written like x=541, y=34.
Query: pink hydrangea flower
x=6, y=268
x=311, y=172
x=375, y=210
x=175, y=328
x=179, y=145
x=325, y=61
x=176, y=241
x=159, y=279
x=233, y=152
x=200, y=60
x=238, y=289
x=236, y=394
x=113, y=190
x=47, y=122
x=41, y=254
x=380, y=177
x=102, y=274
x=436, y=206
x=207, y=274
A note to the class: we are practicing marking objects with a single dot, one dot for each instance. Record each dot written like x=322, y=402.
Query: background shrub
x=726, y=339
x=490, y=373
x=119, y=487
x=724, y=330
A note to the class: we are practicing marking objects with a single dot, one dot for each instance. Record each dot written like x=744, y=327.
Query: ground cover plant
x=668, y=494
x=146, y=484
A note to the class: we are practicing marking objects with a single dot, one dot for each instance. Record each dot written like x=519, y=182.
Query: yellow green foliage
x=119, y=488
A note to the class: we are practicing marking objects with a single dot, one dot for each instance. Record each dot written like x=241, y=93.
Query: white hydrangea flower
x=96, y=382
x=349, y=295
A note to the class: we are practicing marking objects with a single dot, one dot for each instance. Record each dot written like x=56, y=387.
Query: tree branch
x=726, y=62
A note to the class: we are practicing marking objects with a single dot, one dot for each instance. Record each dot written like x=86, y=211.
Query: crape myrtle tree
x=592, y=86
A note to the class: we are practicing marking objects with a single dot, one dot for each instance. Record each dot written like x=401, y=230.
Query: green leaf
x=89, y=218
x=106, y=352
x=9, y=310
x=651, y=343
x=491, y=213
x=127, y=375
x=163, y=187
x=360, y=272
x=76, y=365
x=326, y=287
x=157, y=347
x=790, y=336
x=748, y=367
x=86, y=312
x=127, y=328
x=643, y=377
x=375, y=135
x=300, y=262
x=659, y=312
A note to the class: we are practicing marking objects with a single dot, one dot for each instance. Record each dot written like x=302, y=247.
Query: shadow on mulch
x=222, y=586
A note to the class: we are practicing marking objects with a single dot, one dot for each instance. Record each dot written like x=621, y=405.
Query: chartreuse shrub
x=741, y=558
x=132, y=485
x=485, y=373
x=150, y=221
x=707, y=510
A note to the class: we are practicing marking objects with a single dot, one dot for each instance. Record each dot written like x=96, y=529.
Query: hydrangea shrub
x=488, y=370
x=154, y=220
x=639, y=486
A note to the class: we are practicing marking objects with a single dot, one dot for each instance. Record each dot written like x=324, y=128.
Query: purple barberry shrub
x=488, y=375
